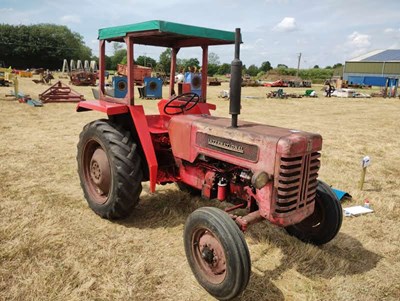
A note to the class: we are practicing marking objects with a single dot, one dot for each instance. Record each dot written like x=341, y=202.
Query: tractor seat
x=158, y=124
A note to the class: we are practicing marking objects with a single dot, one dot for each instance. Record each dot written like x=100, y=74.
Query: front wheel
x=325, y=222
x=217, y=252
x=109, y=168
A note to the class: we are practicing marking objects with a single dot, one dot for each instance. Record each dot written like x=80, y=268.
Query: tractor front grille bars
x=296, y=182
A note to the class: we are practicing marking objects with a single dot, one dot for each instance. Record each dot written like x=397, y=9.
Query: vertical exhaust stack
x=236, y=81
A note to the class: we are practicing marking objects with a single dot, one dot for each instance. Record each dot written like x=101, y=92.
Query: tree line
x=40, y=46
x=215, y=68
x=164, y=62
x=47, y=45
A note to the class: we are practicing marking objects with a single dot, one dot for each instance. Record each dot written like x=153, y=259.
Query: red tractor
x=270, y=171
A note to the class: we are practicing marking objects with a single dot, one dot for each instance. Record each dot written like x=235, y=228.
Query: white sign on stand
x=366, y=161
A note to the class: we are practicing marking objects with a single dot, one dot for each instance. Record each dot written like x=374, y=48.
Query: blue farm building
x=376, y=68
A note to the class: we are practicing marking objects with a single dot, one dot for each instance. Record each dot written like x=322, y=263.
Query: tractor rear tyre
x=109, y=168
x=325, y=222
x=217, y=252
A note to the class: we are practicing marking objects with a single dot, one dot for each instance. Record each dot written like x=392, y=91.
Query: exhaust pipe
x=235, y=82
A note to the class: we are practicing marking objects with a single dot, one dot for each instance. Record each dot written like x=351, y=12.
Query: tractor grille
x=297, y=182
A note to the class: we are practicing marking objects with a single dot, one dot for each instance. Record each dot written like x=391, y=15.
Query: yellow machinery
x=6, y=76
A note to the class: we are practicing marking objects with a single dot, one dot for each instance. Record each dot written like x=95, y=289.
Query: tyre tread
x=127, y=167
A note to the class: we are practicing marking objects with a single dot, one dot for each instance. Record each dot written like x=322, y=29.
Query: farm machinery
x=6, y=74
x=270, y=172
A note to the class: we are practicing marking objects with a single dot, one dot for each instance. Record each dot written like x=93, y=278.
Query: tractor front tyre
x=325, y=222
x=217, y=252
x=109, y=168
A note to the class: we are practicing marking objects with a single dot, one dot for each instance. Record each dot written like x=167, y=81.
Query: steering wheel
x=191, y=99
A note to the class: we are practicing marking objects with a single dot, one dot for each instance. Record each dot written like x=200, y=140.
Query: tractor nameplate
x=228, y=146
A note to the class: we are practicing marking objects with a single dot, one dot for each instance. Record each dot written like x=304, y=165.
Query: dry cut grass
x=53, y=247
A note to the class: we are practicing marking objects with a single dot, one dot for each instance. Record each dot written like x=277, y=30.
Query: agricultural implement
x=83, y=78
x=60, y=92
x=270, y=171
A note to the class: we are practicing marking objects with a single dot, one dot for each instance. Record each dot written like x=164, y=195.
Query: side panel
x=180, y=137
x=142, y=128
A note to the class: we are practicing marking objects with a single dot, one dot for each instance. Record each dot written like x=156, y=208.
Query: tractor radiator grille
x=297, y=182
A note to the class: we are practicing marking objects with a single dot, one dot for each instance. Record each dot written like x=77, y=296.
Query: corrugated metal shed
x=390, y=55
x=373, y=67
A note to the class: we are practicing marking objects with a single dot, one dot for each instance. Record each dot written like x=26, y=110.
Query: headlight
x=260, y=179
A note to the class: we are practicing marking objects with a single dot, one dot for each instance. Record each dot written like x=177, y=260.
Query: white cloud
x=392, y=34
x=395, y=45
x=359, y=40
x=286, y=25
x=276, y=1
x=68, y=19
x=6, y=10
x=389, y=30
x=259, y=42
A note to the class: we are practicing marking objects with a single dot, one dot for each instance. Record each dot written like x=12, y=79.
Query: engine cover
x=289, y=157
x=251, y=145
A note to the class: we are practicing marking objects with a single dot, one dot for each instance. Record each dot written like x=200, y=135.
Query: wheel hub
x=207, y=254
x=212, y=254
x=100, y=172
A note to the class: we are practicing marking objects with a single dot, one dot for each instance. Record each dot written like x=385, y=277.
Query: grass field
x=53, y=247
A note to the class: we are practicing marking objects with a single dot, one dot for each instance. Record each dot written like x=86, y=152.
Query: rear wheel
x=217, y=252
x=325, y=222
x=109, y=168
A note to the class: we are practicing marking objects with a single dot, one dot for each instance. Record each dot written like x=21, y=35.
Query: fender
x=109, y=108
x=140, y=122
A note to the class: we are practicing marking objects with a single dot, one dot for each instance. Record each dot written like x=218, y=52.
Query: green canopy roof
x=167, y=34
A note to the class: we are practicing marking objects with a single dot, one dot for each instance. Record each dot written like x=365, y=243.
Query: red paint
x=221, y=194
x=142, y=128
x=109, y=108
x=60, y=92
x=205, y=153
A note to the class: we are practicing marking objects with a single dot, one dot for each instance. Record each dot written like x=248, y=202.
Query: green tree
x=119, y=57
x=244, y=70
x=41, y=45
x=224, y=69
x=187, y=64
x=266, y=66
x=213, y=59
x=252, y=70
x=145, y=61
x=282, y=66
x=192, y=62
x=316, y=67
x=337, y=65
x=108, y=62
x=180, y=64
x=212, y=69
x=165, y=61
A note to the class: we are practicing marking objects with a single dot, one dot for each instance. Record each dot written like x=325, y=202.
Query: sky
x=325, y=32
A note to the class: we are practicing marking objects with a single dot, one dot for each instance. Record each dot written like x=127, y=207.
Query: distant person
x=180, y=77
x=329, y=89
